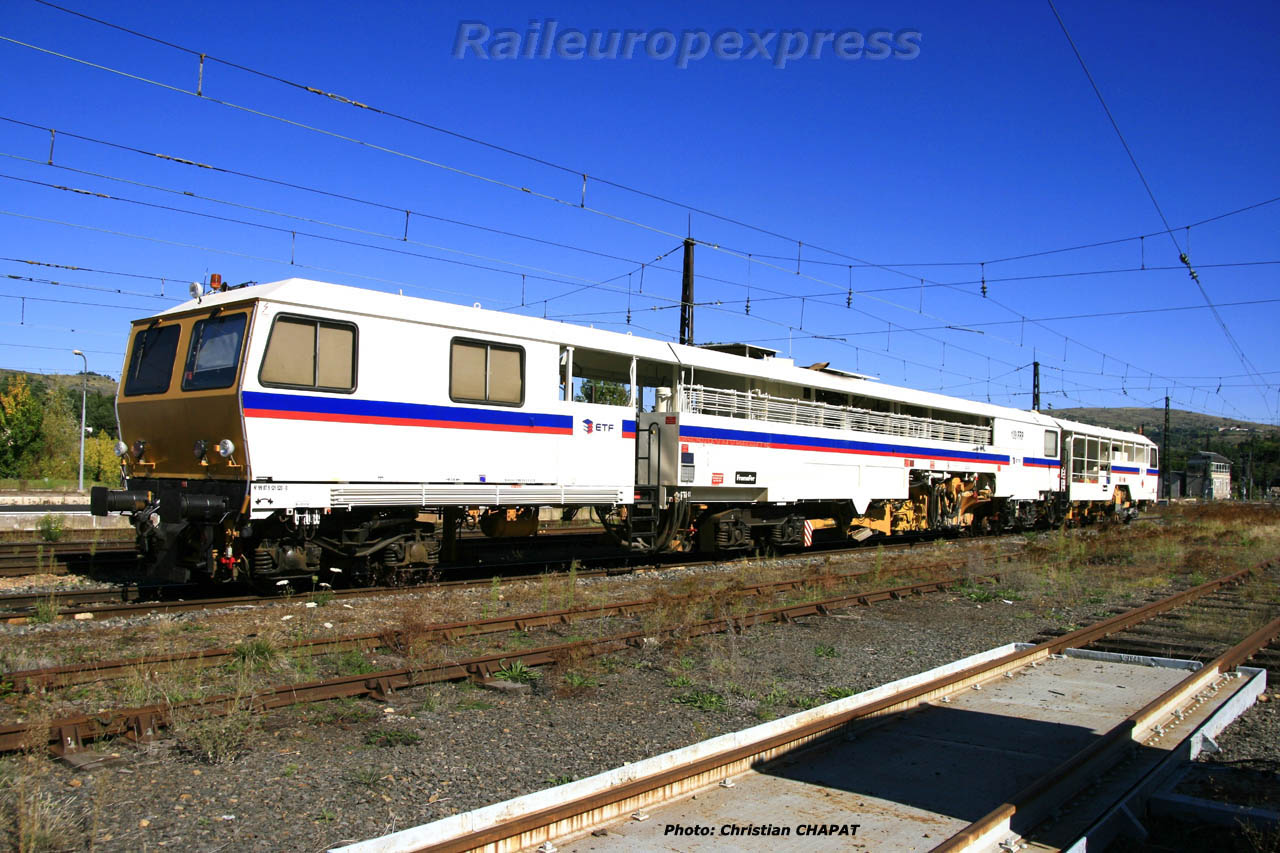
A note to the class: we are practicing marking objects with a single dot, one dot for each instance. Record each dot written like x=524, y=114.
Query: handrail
x=756, y=405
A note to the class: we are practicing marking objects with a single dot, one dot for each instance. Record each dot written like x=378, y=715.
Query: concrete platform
x=909, y=782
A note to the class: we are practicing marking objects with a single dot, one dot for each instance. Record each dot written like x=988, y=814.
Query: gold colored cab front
x=179, y=403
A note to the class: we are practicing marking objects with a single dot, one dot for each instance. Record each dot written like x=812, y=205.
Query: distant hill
x=1253, y=448
x=1180, y=422
x=97, y=383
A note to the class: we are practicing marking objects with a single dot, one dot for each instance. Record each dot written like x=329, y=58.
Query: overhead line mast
x=686, y=294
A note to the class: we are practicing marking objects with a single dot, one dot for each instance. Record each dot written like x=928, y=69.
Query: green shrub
x=353, y=662
x=578, y=681
x=703, y=700
x=517, y=672
x=254, y=654
x=46, y=610
x=391, y=737
x=51, y=527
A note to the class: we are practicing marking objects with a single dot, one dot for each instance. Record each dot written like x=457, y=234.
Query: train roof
x=305, y=293
x=1103, y=432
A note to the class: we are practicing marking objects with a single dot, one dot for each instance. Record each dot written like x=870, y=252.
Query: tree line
x=40, y=432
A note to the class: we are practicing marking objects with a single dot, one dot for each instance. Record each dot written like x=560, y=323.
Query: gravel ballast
x=312, y=777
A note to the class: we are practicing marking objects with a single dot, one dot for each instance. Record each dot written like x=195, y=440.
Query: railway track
x=18, y=559
x=1125, y=750
x=98, y=671
x=134, y=600
x=1200, y=632
x=68, y=734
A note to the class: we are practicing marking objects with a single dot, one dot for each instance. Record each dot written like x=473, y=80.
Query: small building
x=1208, y=476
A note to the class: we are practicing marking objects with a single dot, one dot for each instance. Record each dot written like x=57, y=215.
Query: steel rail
x=28, y=558
x=67, y=734
x=29, y=549
x=93, y=672
x=109, y=609
x=10, y=613
x=707, y=769
x=1051, y=791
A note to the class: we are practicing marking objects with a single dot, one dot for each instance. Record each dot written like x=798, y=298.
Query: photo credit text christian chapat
x=734, y=829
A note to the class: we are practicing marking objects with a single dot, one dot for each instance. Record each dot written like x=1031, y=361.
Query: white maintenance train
x=270, y=431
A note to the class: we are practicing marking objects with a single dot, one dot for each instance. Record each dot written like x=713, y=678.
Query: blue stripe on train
x=832, y=445
x=349, y=407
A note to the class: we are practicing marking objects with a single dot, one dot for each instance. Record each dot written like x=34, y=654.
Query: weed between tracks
x=1056, y=574
x=1194, y=543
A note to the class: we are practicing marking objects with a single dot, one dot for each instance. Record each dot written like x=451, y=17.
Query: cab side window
x=482, y=372
x=304, y=352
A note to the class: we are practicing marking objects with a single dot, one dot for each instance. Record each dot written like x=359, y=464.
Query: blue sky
x=990, y=144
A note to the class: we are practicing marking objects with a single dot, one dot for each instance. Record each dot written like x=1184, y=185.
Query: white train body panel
x=399, y=438
x=1100, y=460
x=792, y=462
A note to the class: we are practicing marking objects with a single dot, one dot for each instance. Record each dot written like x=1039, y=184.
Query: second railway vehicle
x=277, y=431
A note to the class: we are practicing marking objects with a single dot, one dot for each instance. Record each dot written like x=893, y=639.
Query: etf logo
x=590, y=426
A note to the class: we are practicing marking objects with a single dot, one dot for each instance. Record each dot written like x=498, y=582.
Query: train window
x=602, y=377
x=335, y=356
x=308, y=353
x=151, y=361
x=1154, y=460
x=214, y=354
x=506, y=378
x=467, y=375
x=1051, y=444
x=1091, y=460
x=481, y=372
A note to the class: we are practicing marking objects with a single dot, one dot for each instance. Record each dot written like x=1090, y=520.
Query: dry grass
x=1182, y=546
x=32, y=820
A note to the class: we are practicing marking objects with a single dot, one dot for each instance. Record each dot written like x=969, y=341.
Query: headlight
x=200, y=448
x=121, y=448
x=226, y=447
x=139, y=448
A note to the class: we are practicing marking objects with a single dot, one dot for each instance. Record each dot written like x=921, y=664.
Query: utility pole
x=1035, y=386
x=1248, y=482
x=84, y=393
x=686, y=295
x=1164, y=452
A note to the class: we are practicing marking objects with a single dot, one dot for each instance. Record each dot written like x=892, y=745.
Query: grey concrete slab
x=909, y=782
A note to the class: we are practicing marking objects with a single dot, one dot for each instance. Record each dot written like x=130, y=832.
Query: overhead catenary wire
x=311, y=189
x=408, y=210
x=572, y=247
x=644, y=328
x=228, y=252
x=281, y=230
x=508, y=185
x=297, y=233
x=294, y=233
x=575, y=204
x=1231, y=339
x=78, y=286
